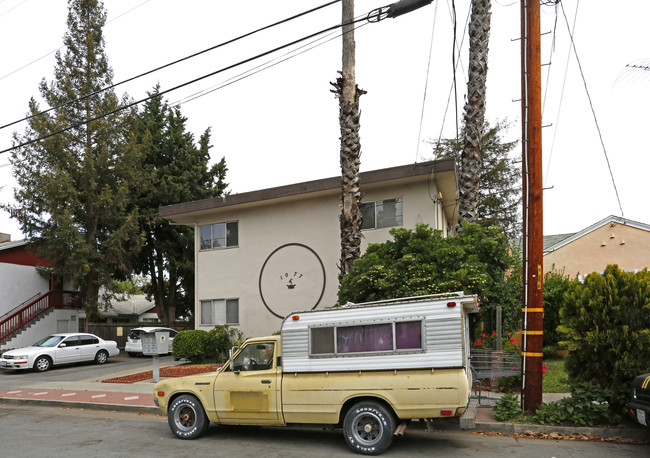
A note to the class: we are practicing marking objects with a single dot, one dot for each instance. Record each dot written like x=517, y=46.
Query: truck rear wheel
x=186, y=417
x=368, y=428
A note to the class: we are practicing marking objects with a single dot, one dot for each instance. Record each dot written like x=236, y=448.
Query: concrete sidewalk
x=138, y=398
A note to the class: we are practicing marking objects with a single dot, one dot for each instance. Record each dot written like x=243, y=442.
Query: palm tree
x=479, y=35
x=348, y=95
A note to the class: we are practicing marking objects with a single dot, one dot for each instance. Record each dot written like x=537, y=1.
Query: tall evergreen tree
x=175, y=170
x=499, y=196
x=74, y=187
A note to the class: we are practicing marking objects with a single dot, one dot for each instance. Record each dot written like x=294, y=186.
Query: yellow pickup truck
x=368, y=368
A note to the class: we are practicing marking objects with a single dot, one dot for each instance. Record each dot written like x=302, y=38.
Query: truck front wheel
x=368, y=428
x=186, y=417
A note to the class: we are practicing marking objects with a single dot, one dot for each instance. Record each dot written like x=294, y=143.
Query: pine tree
x=499, y=196
x=74, y=187
x=175, y=170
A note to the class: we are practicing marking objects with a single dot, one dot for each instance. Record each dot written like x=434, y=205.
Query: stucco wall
x=292, y=242
x=627, y=246
x=19, y=283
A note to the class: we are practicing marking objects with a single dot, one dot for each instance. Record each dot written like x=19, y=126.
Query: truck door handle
x=266, y=381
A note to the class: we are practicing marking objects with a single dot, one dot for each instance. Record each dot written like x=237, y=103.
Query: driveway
x=80, y=371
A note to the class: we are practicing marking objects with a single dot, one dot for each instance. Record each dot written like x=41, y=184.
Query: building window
x=219, y=235
x=382, y=213
x=219, y=311
x=388, y=337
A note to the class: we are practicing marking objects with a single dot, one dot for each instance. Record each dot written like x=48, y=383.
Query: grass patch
x=555, y=379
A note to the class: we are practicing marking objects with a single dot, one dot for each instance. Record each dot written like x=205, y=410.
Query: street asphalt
x=137, y=397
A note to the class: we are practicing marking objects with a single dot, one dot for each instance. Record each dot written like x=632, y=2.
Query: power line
x=112, y=86
x=374, y=16
x=591, y=105
x=426, y=81
x=61, y=47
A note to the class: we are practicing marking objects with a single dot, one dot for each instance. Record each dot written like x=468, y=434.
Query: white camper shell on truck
x=408, y=333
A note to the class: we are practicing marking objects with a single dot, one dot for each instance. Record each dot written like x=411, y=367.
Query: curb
x=82, y=405
x=516, y=428
x=468, y=423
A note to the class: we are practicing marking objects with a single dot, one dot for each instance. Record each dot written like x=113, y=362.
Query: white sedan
x=57, y=349
x=134, y=340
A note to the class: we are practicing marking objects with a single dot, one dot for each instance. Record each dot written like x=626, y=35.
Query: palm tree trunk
x=479, y=35
x=348, y=94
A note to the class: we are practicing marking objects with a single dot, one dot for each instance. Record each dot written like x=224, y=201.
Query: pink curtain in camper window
x=408, y=335
x=367, y=338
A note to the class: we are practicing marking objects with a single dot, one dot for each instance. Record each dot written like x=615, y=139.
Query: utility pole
x=533, y=227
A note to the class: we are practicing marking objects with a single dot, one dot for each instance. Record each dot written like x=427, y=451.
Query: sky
x=280, y=125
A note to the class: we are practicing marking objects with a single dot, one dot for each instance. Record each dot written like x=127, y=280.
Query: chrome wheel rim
x=185, y=417
x=42, y=364
x=367, y=428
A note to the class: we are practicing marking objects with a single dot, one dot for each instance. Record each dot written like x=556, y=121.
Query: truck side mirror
x=231, y=356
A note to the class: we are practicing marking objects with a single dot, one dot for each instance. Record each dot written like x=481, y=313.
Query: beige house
x=263, y=254
x=612, y=240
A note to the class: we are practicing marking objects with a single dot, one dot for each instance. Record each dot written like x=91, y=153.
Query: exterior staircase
x=20, y=318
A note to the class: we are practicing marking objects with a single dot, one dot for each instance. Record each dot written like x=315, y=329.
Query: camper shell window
x=362, y=339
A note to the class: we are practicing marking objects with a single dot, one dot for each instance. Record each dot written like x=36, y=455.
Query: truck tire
x=368, y=428
x=186, y=417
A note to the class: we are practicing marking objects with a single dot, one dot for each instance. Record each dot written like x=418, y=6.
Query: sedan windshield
x=49, y=341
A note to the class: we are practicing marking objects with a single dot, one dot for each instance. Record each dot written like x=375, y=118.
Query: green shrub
x=507, y=409
x=221, y=339
x=555, y=285
x=606, y=323
x=191, y=344
x=206, y=347
x=510, y=384
x=587, y=406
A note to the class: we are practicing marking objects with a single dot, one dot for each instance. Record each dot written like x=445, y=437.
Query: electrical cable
x=264, y=66
x=453, y=60
x=61, y=47
x=11, y=9
x=426, y=81
x=375, y=14
x=451, y=88
x=559, y=108
x=227, y=42
x=593, y=112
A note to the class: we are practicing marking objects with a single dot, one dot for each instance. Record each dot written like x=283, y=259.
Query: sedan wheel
x=101, y=357
x=42, y=363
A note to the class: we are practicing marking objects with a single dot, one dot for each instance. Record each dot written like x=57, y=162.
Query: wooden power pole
x=533, y=233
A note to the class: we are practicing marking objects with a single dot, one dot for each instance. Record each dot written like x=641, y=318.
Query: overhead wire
x=11, y=9
x=451, y=87
x=266, y=65
x=426, y=81
x=559, y=108
x=593, y=111
x=61, y=47
x=227, y=42
x=375, y=15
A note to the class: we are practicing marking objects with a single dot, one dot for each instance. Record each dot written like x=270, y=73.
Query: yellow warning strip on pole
x=531, y=309
x=533, y=333
x=536, y=355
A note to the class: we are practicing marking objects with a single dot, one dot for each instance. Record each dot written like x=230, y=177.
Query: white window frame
x=335, y=353
x=214, y=246
x=399, y=217
x=218, y=307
